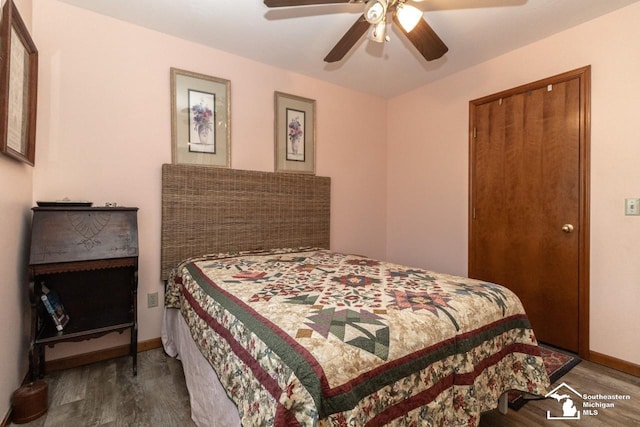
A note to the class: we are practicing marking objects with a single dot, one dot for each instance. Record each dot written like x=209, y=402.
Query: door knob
x=567, y=228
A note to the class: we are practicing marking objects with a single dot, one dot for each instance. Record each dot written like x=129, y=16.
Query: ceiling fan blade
x=347, y=41
x=424, y=39
x=286, y=3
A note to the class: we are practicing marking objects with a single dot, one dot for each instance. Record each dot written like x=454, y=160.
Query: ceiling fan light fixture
x=375, y=11
x=408, y=16
x=378, y=32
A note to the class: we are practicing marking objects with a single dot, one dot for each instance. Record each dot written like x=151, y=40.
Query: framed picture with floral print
x=295, y=134
x=200, y=119
x=18, y=87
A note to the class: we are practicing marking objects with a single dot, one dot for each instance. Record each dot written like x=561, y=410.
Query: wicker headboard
x=211, y=210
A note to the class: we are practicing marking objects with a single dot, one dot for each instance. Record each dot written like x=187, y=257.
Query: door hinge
x=473, y=213
x=475, y=133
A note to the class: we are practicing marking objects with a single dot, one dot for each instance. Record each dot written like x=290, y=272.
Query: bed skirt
x=210, y=405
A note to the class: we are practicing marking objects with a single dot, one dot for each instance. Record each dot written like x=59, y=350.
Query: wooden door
x=528, y=202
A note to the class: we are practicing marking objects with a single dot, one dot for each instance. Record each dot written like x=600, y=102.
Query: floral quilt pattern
x=313, y=337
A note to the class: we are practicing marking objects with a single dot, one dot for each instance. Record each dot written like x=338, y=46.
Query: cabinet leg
x=134, y=349
x=41, y=364
x=32, y=363
x=36, y=362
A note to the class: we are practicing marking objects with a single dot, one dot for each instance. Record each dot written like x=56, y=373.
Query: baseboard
x=7, y=417
x=99, y=356
x=615, y=363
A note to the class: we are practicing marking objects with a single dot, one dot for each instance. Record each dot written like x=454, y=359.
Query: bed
x=301, y=335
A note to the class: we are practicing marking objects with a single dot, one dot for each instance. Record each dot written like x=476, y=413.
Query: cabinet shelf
x=80, y=329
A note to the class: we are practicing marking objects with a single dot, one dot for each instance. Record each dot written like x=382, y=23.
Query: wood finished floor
x=106, y=394
x=586, y=378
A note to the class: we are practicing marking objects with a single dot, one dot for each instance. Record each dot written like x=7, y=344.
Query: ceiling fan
x=374, y=20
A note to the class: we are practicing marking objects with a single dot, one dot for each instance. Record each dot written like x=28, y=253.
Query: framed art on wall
x=18, y=87
x=295, y=134
x=200, y=119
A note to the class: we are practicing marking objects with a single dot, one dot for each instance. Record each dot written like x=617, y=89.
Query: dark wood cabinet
x=89, y=258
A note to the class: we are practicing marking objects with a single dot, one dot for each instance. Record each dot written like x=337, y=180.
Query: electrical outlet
x=152, y=300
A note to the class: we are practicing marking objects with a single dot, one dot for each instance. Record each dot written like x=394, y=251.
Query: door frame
x=584, y=76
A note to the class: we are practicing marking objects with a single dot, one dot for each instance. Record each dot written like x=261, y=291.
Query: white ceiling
x=298, y=38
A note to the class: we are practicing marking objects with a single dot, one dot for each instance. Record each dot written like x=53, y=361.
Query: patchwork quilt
x=312, y=337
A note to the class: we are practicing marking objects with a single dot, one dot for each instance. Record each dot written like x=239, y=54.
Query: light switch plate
x=632, y=206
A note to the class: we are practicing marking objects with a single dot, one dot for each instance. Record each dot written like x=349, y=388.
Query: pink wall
x=15, y=205
x=104, y=131
x=428, y=158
